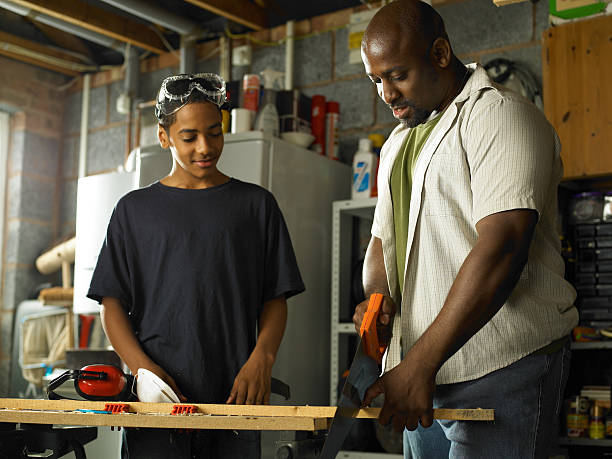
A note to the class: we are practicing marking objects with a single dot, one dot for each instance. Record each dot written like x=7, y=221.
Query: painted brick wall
x=35, y=99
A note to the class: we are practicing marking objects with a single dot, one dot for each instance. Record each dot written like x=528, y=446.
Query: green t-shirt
x=401, y=186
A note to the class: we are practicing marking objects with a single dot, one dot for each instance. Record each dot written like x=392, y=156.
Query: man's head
x=406, y=53
x=189, y=114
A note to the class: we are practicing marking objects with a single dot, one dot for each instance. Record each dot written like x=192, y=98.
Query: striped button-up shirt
x=492, y=151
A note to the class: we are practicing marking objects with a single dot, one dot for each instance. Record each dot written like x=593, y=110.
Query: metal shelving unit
x=342, y=231
x=582, y=441
x=591, y=345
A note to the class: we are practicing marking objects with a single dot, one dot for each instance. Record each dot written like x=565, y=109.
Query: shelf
x=581, y=441
x=346, y=327
x=362, y=208
x=592, y=345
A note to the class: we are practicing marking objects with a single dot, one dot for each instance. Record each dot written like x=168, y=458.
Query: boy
x=190, y=267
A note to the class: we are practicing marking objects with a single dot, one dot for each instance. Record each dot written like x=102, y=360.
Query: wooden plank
x=577, y=70
x=104, y=22
x=36, y=47
x=65, y=40
x=164, y=421
x=37, y=63
x=241, y=11
x=315, y=412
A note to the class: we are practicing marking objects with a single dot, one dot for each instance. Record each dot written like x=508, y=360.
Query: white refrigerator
x=304, y=184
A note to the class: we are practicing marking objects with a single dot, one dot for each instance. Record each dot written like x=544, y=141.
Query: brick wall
x=35, y=99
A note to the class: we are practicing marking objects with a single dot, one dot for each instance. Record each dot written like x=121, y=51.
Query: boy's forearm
x=271, y=323
x=121, y=335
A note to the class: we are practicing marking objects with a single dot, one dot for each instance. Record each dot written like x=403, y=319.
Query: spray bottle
x=364, y=164
x=267, y=119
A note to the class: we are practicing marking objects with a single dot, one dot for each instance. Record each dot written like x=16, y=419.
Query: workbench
x=308, y=423
x=203, y=416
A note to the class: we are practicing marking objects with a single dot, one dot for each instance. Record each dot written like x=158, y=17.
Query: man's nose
x=387, y=92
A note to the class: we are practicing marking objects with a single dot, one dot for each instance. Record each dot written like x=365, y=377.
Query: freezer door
x=96, y=199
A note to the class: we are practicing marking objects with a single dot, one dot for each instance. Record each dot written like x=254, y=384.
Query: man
x=464, y=240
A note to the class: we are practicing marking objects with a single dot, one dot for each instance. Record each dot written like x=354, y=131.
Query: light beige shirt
x=492, y=151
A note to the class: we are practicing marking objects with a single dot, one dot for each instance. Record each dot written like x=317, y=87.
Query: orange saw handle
x=368, y=333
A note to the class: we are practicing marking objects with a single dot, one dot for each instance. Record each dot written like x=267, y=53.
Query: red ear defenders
x=96, y=382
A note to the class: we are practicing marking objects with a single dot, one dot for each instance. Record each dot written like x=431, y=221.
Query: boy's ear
x=162, y=135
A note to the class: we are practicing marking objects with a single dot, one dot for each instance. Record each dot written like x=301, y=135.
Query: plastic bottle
x=317, y=123
x=364, y=163
x=250, y=91
x=331, y=129
x=267, y=119
x=377, y=143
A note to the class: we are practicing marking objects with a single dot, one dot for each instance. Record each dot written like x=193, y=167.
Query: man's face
x=195, y=140
x=405, y=79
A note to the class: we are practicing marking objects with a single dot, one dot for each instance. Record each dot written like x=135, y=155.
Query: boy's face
x=195, y=140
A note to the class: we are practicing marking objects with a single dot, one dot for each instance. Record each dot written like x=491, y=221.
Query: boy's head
x=190, y=124
x=179, y=90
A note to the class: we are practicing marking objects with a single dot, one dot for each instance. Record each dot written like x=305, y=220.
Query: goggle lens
x=175, y=91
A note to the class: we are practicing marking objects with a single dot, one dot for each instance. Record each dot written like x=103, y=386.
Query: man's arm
x=375, y=281
x=252, y=384
x=121, y=335
x=484, y=282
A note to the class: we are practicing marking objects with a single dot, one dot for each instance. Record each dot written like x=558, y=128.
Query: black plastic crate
x=604, y=229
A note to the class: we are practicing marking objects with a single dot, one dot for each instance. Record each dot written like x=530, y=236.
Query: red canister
x=317, y=122
x=331, y=129
x=250, y=91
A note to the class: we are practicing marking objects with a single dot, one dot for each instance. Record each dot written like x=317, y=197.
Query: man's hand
x=387, y=312
x=159, y=371
x=408, y=390
x=252, y=384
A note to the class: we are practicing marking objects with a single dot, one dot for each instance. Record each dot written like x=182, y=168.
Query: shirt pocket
x=445, y=185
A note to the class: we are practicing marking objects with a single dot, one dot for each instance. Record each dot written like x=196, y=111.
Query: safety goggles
x=175, y=91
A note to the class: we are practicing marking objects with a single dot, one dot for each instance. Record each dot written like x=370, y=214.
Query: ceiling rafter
x=69, y=42
x=241, y=11
x=104, y=22
x=36, y=48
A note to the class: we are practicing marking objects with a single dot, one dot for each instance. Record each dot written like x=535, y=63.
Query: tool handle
x=368, y=332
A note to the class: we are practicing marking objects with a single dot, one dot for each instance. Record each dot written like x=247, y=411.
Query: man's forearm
x=121, y=335
x=374, y=273
x=484, y=282
x=271, y=327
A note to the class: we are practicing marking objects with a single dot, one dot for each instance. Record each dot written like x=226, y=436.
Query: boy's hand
x=252, y=384
x=159, y=371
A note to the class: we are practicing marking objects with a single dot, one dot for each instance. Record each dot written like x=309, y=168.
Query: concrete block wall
x=35, y=100
x=479, y=31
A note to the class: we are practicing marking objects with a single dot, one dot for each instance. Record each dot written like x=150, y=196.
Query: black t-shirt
x=193, y=269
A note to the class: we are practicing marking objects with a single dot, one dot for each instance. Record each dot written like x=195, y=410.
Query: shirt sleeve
x=282, y=275
x=111, y=275
x=510, y=149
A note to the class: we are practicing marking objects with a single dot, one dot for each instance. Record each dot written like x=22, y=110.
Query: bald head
x=404, y=25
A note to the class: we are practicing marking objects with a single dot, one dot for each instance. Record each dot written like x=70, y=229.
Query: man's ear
x=162, y=135
x=441, y=52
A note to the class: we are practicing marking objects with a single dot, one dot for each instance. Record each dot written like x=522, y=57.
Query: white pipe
x=147, y=10
x=84, y=126
x=289, y=55
x=65, y=26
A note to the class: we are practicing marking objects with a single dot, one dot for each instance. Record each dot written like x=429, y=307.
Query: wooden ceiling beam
x=104, y=22
x=241, y=11
x=36, y=47
x=65, y=40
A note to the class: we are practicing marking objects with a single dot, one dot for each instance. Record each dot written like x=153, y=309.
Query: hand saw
x=364, y=371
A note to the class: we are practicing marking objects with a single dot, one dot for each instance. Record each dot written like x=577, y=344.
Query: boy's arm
x=121, y=335
x=252, y=384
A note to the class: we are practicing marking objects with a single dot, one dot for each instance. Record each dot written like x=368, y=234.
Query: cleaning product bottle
x=364, y=163
x=377, y=143
x=267, y=119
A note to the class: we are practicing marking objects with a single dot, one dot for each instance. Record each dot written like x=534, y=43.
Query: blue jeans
x=527, y=397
